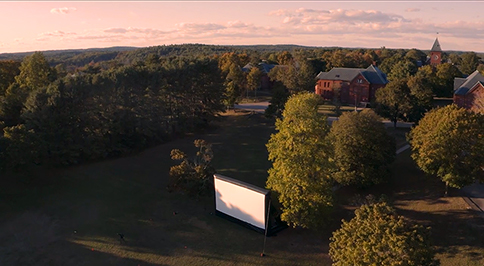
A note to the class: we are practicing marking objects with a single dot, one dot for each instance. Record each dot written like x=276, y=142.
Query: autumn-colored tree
x=378, y=236
x=363, y=149
x=448, y=143
x=300, y=172
x=285, y=58
x=193, y=175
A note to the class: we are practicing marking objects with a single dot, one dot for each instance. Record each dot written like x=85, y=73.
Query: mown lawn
x=329, y=109
x=72, y=216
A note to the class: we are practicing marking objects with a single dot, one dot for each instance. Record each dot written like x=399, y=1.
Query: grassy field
x=329, y=109
x=72, y=216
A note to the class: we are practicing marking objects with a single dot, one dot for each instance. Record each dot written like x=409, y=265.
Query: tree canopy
x=194, y=174
x=90, y=116
x=363, y=149
x=469, y=62
x=448, y=143
x=35, y=72
x=377, y=236
x=300, y=172
x=394, y=100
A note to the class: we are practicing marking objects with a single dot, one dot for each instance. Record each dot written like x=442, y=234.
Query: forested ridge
x=71, y=106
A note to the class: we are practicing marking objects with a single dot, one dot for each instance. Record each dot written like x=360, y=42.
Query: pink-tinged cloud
x=362, y=28
x=199, y=27
x=62, y=10
x=340, y=16
x=412, y=10
x=130, y=30
x=116, y=30
x=57, y=33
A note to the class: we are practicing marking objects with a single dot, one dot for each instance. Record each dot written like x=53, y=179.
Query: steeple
x=436, y=46
x=436, y=53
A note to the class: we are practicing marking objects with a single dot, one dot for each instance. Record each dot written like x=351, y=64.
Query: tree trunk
x=446, y=188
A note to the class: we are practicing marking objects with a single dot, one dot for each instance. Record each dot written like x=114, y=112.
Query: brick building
x=467, y=90
x=355, y=85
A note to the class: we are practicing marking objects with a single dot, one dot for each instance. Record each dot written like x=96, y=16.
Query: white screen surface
x=240, y=202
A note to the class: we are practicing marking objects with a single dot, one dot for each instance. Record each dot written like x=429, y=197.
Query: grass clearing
x=329, y=109
x=72, y=216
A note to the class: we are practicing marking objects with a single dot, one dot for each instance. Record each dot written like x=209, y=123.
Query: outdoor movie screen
x=241, y=200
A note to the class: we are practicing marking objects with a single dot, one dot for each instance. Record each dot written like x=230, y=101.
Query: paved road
x=260, y=107
x=475, y=196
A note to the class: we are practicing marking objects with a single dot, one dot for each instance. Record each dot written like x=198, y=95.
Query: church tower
x=436, y=53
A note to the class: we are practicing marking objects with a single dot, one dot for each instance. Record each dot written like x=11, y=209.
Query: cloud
x=199, y=27
x=340, y=16
x=115, y=30
x=62, y=10
x=339, y=27
x=412, y=10
x=56, y=33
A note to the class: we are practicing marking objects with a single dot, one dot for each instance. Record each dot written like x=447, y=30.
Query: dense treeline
x=72, y=107
x=402, y=62
x=88, y=116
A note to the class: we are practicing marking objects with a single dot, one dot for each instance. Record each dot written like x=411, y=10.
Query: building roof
x=436, y=46
x=458, y=82
x=372, y=74
x=469, y=83
x=265, y=68
x=247, y=67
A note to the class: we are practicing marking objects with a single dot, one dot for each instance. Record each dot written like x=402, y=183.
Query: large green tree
x=403, y=69
x=469, y=62
x=35, y=72
x=363, y=149
x=421, y=95
x=378, y=236
x=394, y=100
x=230, y=65
x=445, y=75
x=449, y=143
x=253, y=79
x=9, y=69
x=300, y=172
x=12, y=103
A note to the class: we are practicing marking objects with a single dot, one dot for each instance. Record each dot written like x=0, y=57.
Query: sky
x=53, y=25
